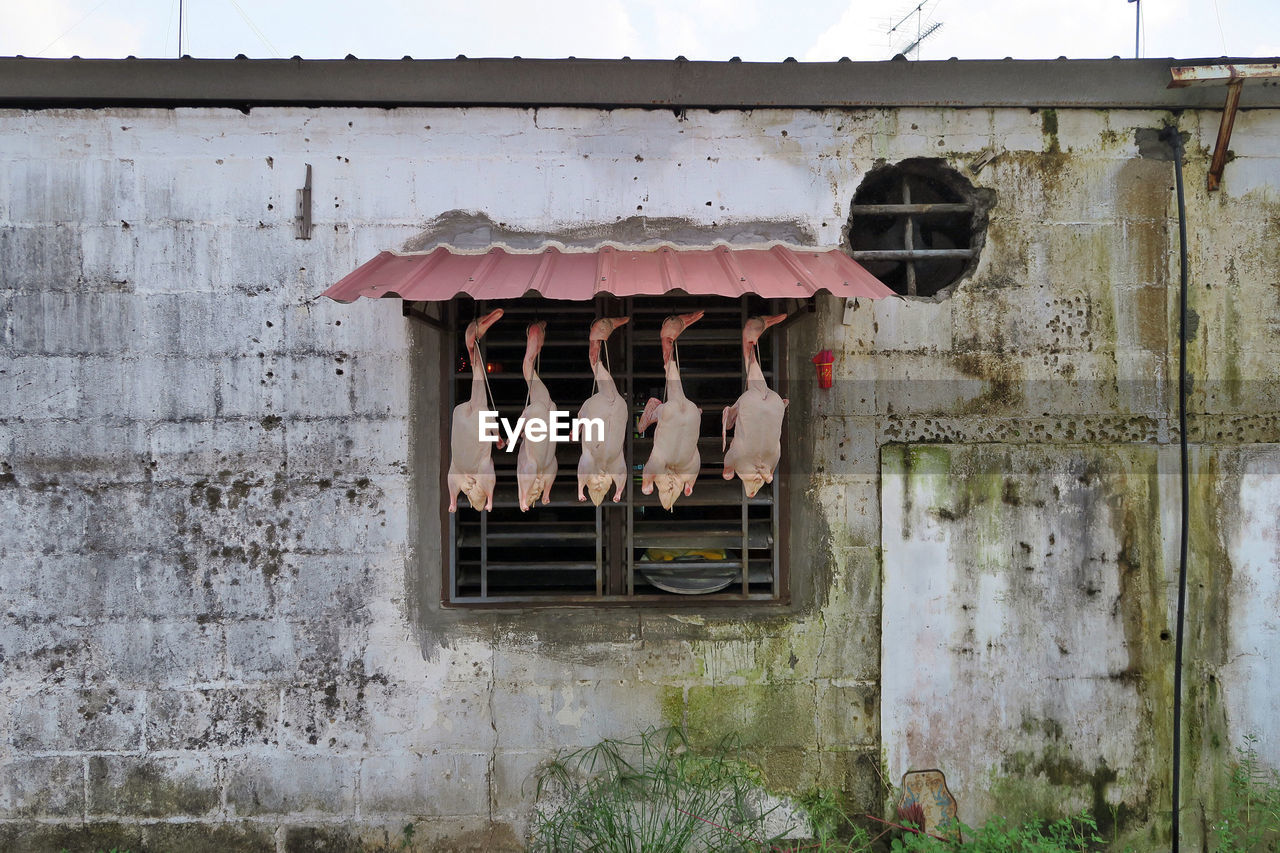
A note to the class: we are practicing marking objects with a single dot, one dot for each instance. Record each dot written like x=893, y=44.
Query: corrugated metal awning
x=777, y=272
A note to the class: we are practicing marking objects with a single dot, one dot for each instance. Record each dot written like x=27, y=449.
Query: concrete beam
x=605, y=83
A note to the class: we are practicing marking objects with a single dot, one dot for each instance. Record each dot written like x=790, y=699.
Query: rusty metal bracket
x=1234, y=76
x=303, y=218
x=418, y=311
x=1224, y=134
x=804, y=309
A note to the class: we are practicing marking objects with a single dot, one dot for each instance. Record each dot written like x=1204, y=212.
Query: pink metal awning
x=442, y=274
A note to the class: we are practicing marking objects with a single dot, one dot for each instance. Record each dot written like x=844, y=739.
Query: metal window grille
x=719, y=546
x=912, y=231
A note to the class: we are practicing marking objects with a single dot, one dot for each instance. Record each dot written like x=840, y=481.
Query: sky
x=754, y=30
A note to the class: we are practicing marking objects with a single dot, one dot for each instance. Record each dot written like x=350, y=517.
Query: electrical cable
x=1174, y=138
x=261, y=36
x=68, y=30
x=168, y=27
x=1143, y=23
x=1221, y=35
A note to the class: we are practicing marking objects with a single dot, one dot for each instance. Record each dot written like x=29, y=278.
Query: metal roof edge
x=615, y=245
x=34, y=83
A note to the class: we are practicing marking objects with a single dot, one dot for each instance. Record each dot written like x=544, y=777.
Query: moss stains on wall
x=1207, y=742
x=1043, y=599
x=1049, y=126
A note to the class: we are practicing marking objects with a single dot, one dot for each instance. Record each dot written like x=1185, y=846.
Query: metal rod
x=807, y=309
x=630, y=501
x=448, y=385
x=549, y=566
x=414, y=310
x=902, y=255
x=557, y=600
x=556, y=374
x=1224, y=134
x=1137, y=27
x=777, y=357
x=899, y=209
x=742, y=496
x=522, y=535
x=484, y=552
x=910, y=242
x=599, y=551
x=1186, y=75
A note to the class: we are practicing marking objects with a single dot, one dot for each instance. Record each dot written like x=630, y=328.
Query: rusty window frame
x=471, y=577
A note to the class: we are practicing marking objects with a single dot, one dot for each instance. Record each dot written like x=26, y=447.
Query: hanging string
x=484, y=368
x=675, y=356
x=537, y=367
x=537, y=361
x=608, y=366
x=755, y=348
x=478, y=360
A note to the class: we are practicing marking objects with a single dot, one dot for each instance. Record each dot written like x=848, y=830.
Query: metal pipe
x=1137, y=25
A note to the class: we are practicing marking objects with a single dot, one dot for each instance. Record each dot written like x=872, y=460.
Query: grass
x=1249, y=816
x=657, y=795
x=1069, y=835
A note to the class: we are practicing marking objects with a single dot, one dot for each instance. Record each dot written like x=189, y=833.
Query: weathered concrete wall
x=1036, y=671
x=219, y=566
x=1029, y=599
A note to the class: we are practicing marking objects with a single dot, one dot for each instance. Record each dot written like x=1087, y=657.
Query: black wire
x=1175, y=140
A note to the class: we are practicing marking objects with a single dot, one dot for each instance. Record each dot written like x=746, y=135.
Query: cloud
x=1047, y=29
x=756, y=30
x=857, y=34
x=549, y=28
x=87, y=28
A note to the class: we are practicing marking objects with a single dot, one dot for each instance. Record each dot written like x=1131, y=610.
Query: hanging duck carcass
x=756, y=418
x=674, y=461
x=603, y=461
x=470, y=465
x=536, y=465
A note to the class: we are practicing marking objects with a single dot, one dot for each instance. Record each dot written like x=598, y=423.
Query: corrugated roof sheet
x=774, y=272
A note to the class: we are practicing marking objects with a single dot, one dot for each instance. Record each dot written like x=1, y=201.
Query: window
x=715, y=545
x=918, y=225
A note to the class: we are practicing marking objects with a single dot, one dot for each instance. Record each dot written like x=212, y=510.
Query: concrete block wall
x=219, y=568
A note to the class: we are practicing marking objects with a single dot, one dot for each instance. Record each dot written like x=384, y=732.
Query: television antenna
x=915, y=45
x=901, y=28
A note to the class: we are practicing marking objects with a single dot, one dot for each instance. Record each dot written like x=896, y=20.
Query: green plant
x=1249, y=817
x=656, y=795
x=1068, y=835
x=404, y=841
x=833, y=829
